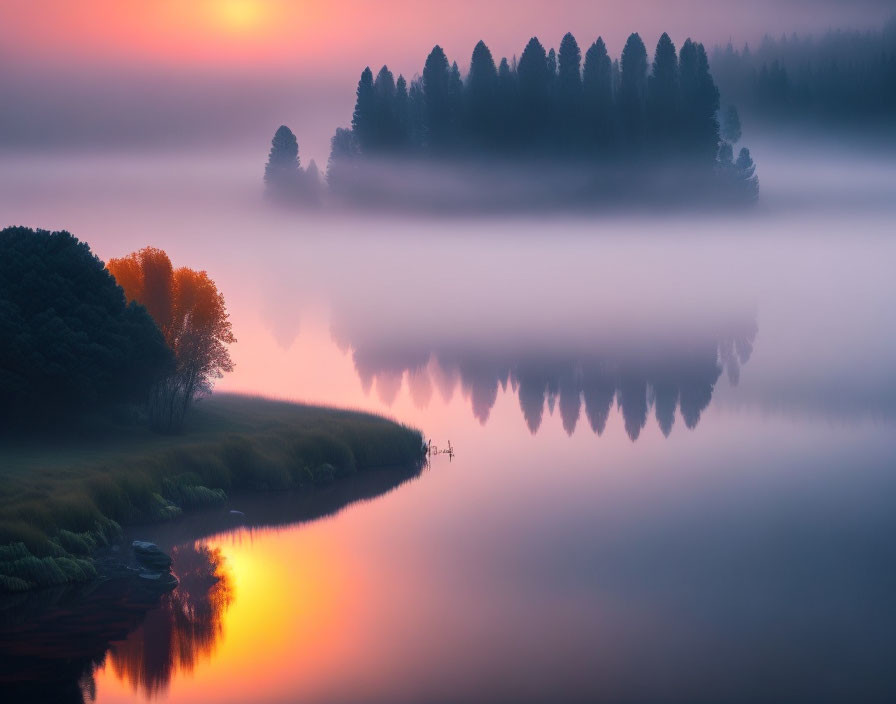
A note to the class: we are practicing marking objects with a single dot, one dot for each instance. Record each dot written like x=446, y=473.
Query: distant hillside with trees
x=630, y=126
x=838, y=78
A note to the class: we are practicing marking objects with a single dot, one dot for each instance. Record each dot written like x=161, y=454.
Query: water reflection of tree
x=679, y=379
x=185, y=628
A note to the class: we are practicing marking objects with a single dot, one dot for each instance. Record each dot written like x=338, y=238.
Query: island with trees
x=101, y=368
x=552, y=128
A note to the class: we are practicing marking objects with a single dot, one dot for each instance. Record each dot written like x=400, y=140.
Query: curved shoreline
x=56, y=513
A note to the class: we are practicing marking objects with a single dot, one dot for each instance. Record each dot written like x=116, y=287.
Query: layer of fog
x=812, y=262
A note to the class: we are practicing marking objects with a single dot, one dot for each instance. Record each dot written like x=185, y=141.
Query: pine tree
x=569, y=92
x=597, y=89
x=633, y=92
x=282, y=172
x=663, y=96
x=364, y=116
x=699, y=104
x=436, y=76
x=482, y=86
x=385, y=119
x=534, y=93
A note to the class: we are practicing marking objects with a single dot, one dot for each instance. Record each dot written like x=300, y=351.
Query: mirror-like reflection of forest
x=53, y=641
x=641, y=377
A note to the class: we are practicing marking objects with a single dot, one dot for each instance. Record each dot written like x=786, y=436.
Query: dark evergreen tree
x=69, y=341
x=663, y=96
x=436, y=78
x=597, y=88
x=633, y=93
x=699, y=104
x=364, y=117
x=385, y=119
x=482, y=87
x=282, y=173
x=569, y=92
x=533, y=115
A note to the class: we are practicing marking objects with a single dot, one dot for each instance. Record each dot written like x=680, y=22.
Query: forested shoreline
x=631, y=121
x=99, y=366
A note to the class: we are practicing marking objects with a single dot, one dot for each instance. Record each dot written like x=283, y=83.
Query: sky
x=116, y=74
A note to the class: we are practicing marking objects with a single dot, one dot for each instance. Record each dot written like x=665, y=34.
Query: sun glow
x=241, y=16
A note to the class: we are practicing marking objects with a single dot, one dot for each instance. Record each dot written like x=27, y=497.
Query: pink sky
x=114, y=74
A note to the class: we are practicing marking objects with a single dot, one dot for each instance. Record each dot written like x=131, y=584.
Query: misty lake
x=674, y=442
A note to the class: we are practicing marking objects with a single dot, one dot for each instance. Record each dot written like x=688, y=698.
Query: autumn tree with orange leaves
x=190, y=312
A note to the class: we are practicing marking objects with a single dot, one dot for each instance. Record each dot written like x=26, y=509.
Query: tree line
x=80, y=337
x=559, y=102
x=563, y=104
x=841, y=76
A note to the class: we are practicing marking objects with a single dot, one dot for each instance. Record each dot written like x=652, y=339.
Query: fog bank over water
x=810, y=265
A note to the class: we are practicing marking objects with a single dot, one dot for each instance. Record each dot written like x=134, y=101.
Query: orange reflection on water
x=274, y=616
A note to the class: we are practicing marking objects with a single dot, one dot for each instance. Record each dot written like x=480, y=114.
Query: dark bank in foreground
x=64, y=498
x=52, y=640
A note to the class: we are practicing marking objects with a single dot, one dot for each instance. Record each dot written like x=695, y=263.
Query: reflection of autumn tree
x=190, y=312
x=183, y=629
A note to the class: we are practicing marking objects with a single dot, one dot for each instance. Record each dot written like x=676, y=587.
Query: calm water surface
x=675, y=468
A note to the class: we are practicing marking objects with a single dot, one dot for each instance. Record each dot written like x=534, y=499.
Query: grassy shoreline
x=61, y=499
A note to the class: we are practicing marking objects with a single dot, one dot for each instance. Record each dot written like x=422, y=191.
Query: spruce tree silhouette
x=282, y=173
x=699, y=104
x=482, y=86
x=385, y=130
x=533, y=115
x=746, y=173
x=633, y=93
x=569, y=93
x=436, y=77
x=663, y=97
x=597, y=88
x=364, y=116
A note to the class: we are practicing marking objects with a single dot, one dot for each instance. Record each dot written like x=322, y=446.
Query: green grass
x=63, y=496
